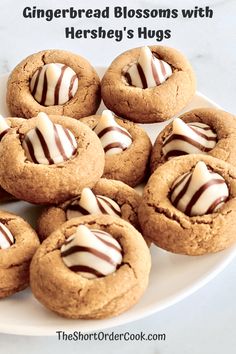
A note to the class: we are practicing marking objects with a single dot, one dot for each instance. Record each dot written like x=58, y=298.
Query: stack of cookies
x=95, y=229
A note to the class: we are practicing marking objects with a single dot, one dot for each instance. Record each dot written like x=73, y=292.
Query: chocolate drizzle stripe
x=58, y=85
x=206, y=137
x=4, y=133
x=86, y=269
x=36, y=82
x=66, y=131
x=5, y=235
x=182, y=192
x=109, y=129
x=77, y=207
x=30, y=149
x=58, y=142
x=44, y=146
x=72, y=81
x=187, y=140
x=116, y=211
x=180, y=181
x=216, y=203
x=199, y=192
x=107, y=243
x=100, y=206
x=114, y=146
x=91, y=250
x=163, y=69
x=128, y=78
x=199, y=126
x=142, y=76
x=45, y=89
x=174, y=153
x=155, y=73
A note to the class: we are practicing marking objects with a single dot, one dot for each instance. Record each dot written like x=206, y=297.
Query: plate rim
x=28, y=330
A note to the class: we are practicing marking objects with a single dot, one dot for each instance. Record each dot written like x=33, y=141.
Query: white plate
x=173, y=277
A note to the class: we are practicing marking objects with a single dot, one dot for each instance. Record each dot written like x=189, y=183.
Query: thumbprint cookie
x=148, y=84
x=55, y=82
x=189, y=205
x=91, y=267
x=50, y=159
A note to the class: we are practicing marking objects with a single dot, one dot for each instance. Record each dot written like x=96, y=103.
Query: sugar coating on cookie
x=6, y=237
x=54, y=84
x=4, y=127
x=49, y=143
x=90, y=203
x=91, y=253
x=199, y=192
x=149, y=71
x=114, y=138
x=188, y=138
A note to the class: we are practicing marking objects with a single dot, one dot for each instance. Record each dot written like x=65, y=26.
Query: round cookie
x=18, y=243
x=72, y=295
x=53, y=183
x=21, y=99
x=175, y=231
x=127, y=199
x=152, y=104
x=131, y=165
x=223, y=124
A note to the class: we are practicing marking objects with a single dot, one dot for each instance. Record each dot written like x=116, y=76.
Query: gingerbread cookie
x=200, y=131
x=148, y=84
x=91, y=267
x=55, y=82
x=189, y=205
x=50, y=159
x=107, y=197
x=18, y=243
x=126, y=145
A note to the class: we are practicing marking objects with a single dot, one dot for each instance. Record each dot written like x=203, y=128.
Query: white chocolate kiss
x=114, y=138
x=91, y=253
x=199, y=192
x=89, y=203
x=4, y=127
x=149, y=71
x=6, y=237
x=190, y=138
x=54, y=84
x=49, y=143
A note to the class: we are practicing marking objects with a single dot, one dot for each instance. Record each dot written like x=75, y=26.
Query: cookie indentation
x=6, y=237
x=190, y=138
x=91, y=253
x=114, y=138
x=54, y=84
x=149, y=71
x=199, y=192
x=49, y=143
x=90, y=203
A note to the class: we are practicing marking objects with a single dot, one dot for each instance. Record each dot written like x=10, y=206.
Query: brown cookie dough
x=15, y=260
x=222, y=123
x=126, y=197
x=23, y=104
x=13, y=123
x=149, y=105
x=130, y=166
x=171, y=229
x=55, y=183
x=72, y=295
